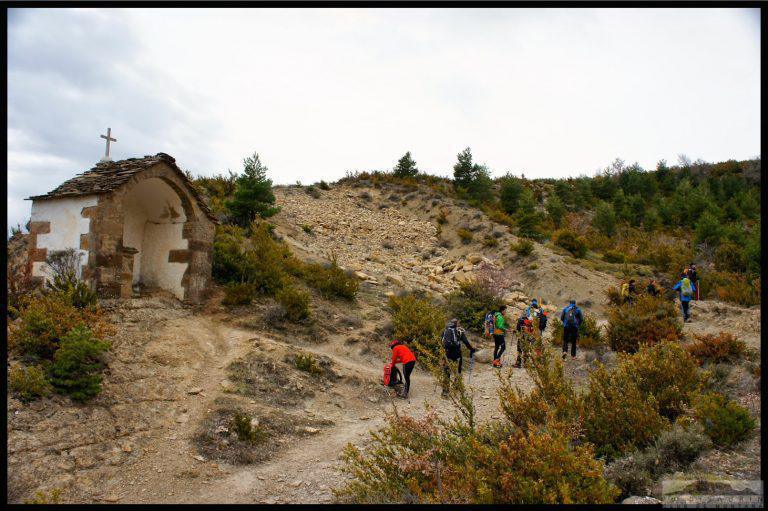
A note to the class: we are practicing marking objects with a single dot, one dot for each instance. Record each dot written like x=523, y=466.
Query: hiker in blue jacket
x=687, y=292
x=572, y=319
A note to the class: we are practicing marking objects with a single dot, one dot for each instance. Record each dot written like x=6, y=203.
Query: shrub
x=470, y=303
x=490, y=242
x=629, y=476
x=65, y=266
x=323, y=185
x=724, y=421
x=417, y=321
x=649, y=320
x=465, y=235
x=306, y=228
x=247, y=432
x=44, y=320
x=730, y=257
x=500, y=217
x=613, y=256
x=258, y=260
x=28, y=382
x=312, y=191
x=330, y=280
x=442, y=217
x=77, y=365
x=617, y=416
x=571, y=242
x=590, y=335
x=711, y=349
x=432, y=461
x=238, y=294
x=295, y=302
x=675, y=449
x=666, y=372
x=306, y=362
x=731, y=287
x=523, y=248
x=613, y=295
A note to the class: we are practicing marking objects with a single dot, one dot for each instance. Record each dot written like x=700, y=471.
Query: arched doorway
x=153, y=224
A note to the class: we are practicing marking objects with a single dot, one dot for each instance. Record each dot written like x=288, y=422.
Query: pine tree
x=253, y=194
x=556, y=210
x=605, y=219
x=464, y=171
x=528, y=217
x=406, y=167
x=509, y=195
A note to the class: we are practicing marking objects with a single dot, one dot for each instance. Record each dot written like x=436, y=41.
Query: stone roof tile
x=108, y=176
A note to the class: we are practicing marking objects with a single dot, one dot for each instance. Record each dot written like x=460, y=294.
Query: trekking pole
x=471, y=364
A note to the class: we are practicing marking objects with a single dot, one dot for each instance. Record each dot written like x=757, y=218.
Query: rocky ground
x=159, y=431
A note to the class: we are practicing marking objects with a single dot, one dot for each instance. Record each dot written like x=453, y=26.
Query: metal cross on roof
x=109, y=139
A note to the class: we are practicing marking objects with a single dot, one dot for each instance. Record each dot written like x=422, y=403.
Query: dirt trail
x=302, y=473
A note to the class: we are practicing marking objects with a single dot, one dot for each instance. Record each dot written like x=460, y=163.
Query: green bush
x=323, y=185
x=238, y=294
x=730, y=257
x=246, y=432
x=675, y=449
x=667, y=372
x=44, y=320
x=629, y=476
x=306, y=362
x=417, y=321
x=429, y=461
x=295, y=301
x=465, y=235
x=330, y=280
x=571, y=242
x=490, y=242
x=649, y=320
x=28, y=382
x=306, y=228
x=711, y=349
x=77, y=364
x=470, y=303
x=613, y=256
x=523, y=248
x=724, y=421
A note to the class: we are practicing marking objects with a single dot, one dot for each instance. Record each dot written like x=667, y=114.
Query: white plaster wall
x=154, y=219
x=67, y=225
x=159, y=240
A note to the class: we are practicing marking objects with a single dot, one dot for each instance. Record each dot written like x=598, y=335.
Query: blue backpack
x=489, y=322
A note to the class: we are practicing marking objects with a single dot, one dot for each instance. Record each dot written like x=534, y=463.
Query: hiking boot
x=495, y=362
x=564, y=355
x=573, y=357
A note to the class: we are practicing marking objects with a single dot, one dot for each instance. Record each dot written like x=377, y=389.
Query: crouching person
x=403, y=355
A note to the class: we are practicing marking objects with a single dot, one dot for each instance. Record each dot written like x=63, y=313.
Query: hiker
x=653, y=288
x=628, y=291
x=403, y=355
x=488, y=324
x=533, y=309
x=693, y=276
x=524, y=330
x=453, y=337
x=499, y=331
x=687, y=292
x=572, y=319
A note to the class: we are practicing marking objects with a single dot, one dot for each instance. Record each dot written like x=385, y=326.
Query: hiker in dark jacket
x=694, y=278
x=572, y=319
x=453, y=337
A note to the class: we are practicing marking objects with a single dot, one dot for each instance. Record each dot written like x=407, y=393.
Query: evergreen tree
x=253, y=194
x=556, y=210
x=464, y=171
x=77, y=364
x=605, y=219
x=528, y=218
x=709, y=229
x=509, y=195
x=406, y=167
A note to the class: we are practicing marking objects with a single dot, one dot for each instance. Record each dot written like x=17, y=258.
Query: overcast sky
x=547, y=92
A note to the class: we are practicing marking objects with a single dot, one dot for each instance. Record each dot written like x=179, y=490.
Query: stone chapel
x=136, y=222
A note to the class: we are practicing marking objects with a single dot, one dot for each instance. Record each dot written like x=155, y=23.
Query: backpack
x=686, y=289
x=489, y=319
x=391, y=378
x=451, y=339
x=570, y=316
x=542, y=321
x=625, y=290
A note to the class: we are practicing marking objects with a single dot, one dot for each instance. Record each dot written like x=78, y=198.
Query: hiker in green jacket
x=499, y=331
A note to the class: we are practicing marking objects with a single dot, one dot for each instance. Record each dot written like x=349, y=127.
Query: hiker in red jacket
x=403, y=355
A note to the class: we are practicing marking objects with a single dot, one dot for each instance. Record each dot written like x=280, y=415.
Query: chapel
x=137, y=222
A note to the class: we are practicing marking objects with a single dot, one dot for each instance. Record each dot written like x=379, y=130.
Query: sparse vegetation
x=295, y=302
x=490, y=242
x=238, y=294
x=28, y=382
x=715, y=349
x=306, y=362
x=245, y=430
x=523, y=248
x=465, y=235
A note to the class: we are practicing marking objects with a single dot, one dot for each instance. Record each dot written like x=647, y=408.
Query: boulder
x=474, y=258
x=394, y=279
